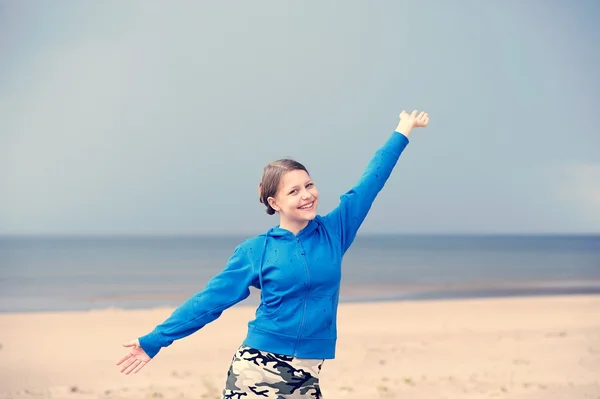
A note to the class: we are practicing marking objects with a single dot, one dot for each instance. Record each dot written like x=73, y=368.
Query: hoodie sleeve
x=355, y=204
x=227, y=288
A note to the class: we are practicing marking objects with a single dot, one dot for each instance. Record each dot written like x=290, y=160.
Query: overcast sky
x=158, y=117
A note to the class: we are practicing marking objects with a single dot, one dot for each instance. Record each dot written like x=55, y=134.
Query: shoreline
x=158, y=301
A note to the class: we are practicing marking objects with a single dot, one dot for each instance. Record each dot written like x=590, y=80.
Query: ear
x=273, y=204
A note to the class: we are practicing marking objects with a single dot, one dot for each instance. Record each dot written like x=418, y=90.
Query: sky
x=158, y=118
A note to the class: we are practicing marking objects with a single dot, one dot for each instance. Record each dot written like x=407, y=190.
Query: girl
x=297, y=267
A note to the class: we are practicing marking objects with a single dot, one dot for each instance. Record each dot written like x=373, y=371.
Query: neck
x=292, y=226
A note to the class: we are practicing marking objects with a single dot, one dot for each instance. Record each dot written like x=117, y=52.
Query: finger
x=133, y=342
x=133, y=366
x=128, y=363
x=403, y=113
x=422, y=115
x=139, y=367
x=414, y=113
x=127, y=356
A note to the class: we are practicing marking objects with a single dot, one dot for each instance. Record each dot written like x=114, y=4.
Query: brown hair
x=271, y=178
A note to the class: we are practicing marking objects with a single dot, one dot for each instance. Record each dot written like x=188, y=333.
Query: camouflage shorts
x=254, y=374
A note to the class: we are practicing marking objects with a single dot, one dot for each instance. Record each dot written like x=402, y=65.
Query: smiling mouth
x=308, y=206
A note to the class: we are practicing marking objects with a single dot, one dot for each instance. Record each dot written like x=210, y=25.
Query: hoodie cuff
x=151, y=343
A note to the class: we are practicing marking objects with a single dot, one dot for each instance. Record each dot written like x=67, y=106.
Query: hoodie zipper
x=301, y=329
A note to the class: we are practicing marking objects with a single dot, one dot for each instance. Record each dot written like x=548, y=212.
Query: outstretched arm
x=229, y=287
x=355, y=204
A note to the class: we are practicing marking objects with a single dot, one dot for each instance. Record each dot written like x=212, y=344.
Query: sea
x=39, y=274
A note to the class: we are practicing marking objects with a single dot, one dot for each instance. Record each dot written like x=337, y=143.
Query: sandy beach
x=543, y=347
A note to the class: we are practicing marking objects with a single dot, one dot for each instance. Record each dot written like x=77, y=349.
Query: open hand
x=135, y=360
x=415, y=119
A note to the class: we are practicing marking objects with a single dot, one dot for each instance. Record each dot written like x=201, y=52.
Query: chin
x=311, y=217
x=307, y=216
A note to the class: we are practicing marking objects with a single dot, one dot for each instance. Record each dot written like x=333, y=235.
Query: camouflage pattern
x=258, y=374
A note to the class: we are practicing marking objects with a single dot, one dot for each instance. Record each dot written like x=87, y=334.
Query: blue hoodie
x=298, y=275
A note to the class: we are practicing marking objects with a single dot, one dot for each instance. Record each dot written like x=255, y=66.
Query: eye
x=294, y=191
x=309, y=185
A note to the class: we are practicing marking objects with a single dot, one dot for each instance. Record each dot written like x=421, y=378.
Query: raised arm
x=229, y=287
x=355, y=204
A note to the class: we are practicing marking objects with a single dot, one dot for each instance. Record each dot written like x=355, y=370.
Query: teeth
x=307, y=206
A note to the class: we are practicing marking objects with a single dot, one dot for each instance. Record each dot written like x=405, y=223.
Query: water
x=77, y=273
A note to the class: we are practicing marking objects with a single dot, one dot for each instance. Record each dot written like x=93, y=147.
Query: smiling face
x=296, y=200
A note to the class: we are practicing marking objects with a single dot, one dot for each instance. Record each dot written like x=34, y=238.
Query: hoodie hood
x=286, y=234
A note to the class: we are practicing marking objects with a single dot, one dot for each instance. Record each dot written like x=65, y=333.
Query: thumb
x=133, y=342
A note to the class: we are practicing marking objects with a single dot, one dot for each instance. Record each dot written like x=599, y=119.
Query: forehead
x=294, y=178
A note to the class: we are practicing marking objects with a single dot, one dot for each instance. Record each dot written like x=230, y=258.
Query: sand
x=544, y=347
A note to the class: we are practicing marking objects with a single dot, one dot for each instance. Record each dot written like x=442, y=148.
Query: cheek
x=314, y=192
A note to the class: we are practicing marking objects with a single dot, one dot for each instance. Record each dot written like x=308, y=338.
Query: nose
x=306, y=194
